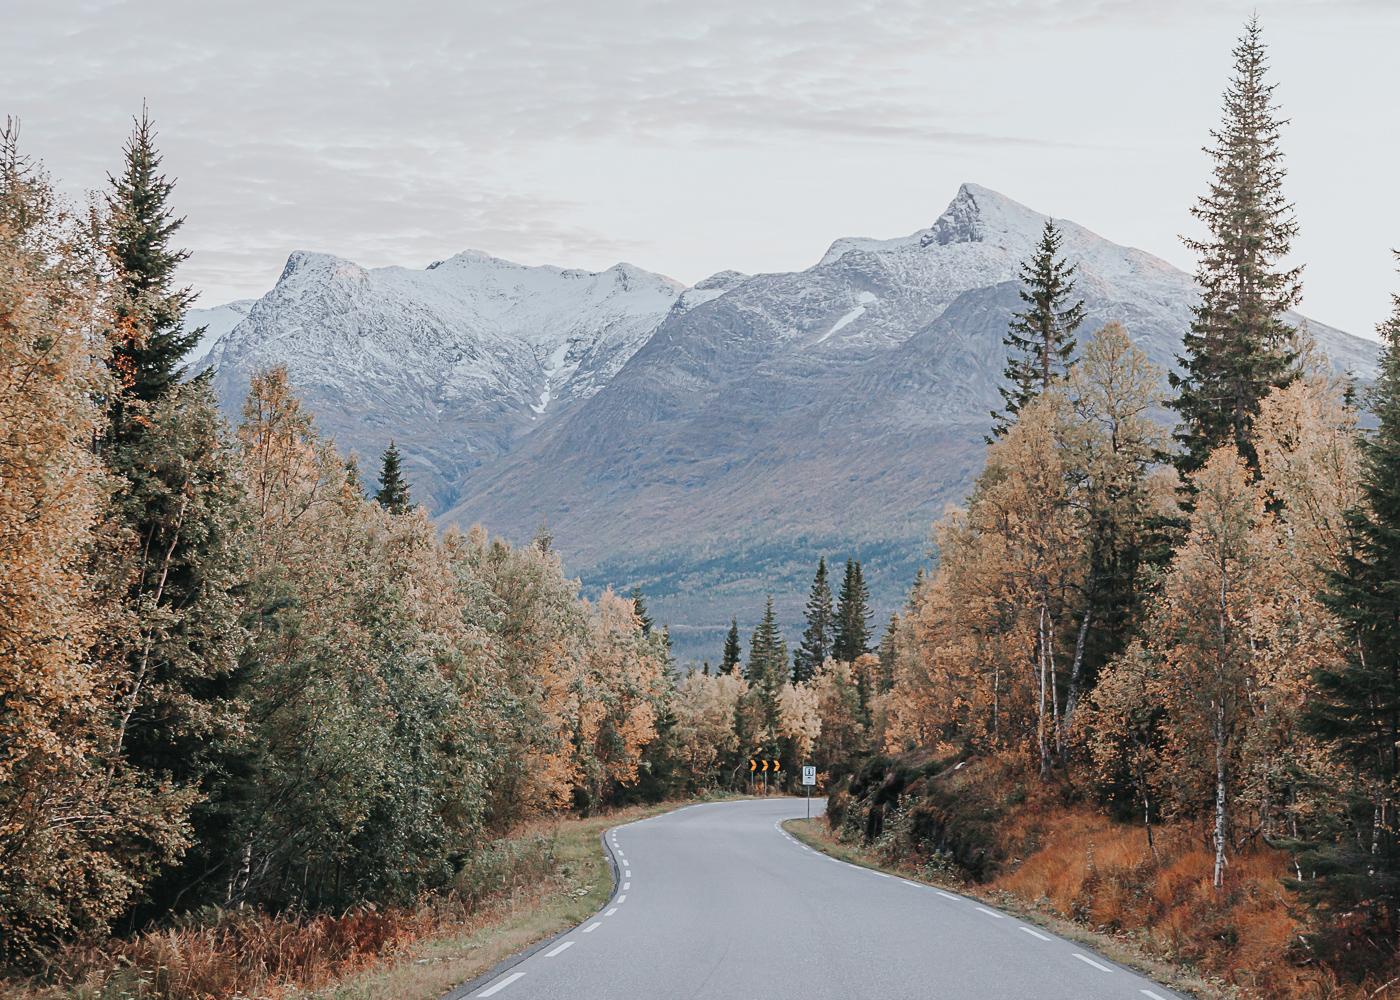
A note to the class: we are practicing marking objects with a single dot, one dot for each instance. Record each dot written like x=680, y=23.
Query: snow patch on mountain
x=215, y=322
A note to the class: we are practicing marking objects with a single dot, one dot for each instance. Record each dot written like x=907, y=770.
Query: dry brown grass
x=1080, y=871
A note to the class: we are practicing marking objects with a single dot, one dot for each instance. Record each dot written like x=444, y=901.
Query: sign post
x=809, y=778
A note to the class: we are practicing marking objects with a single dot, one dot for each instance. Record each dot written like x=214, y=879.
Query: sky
x=690, y=137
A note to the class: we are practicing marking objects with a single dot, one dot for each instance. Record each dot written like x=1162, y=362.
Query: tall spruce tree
x=852, y=615
x=180, y=547
x=1040, y=340
x=149, y=341
x=640, y=605
x=393, y=493
x=733, y=652
x=820, y=632
x=1352, y=864
x=1238, y=347
x=767, y=669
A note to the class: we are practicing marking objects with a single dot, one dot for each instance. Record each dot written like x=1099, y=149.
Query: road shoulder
x=815, y=834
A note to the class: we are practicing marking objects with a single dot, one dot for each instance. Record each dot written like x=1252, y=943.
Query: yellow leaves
x=799, y=719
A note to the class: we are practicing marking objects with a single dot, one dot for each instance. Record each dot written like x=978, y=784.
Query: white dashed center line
x=563, y=947
x=493, y=990
x=1044, y=937
x=1089, y=961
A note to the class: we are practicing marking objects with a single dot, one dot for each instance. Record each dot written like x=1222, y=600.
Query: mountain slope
x=456, y=362
x=834, y=410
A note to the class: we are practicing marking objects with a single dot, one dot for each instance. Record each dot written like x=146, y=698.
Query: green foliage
x=1040, y=340
x=1354, y=859
x=640, y=605
x=819, y=636
x=393, y=493
x=149, y=342
x=852, y=615
x=733, y=653
x=178, y=544
x=767, y=670
x=1238, y=347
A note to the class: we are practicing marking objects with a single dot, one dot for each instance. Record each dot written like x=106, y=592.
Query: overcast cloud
x=690, y=137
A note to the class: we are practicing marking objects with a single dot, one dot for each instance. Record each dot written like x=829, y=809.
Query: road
x=717, y=901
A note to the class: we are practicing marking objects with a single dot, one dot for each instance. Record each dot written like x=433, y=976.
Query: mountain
x=836, y=410
x=706, y=444
x=456, y=362
x=214, y=323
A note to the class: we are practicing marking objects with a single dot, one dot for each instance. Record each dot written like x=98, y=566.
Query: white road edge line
x=610, y=912
x=881, y=874
x=1089, y=961
x=1045, y=937
x=991, y=913
x=563, y=947
x=622, y=899
x=627, y=873
x=626, y=886
x=493, y=990
x=593, y=926
x=949, y=895
x=1154, y=996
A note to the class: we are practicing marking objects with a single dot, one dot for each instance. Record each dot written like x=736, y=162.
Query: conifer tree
x=733, y=653
x=817, y=639
x=852, y=616
x=1040, y=340
x=393, y=493
x=1354, y=860
x=1237, y=349
x=767, y=670
x=640, y=604
x=149, y=342
x=179, y=546
x=887, y=653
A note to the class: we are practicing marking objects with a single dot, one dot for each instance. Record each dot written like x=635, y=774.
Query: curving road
x=717, y=901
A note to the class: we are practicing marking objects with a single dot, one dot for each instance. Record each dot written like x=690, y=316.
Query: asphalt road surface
x=717, y=901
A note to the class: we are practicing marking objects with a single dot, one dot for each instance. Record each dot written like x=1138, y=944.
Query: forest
x=236, y=678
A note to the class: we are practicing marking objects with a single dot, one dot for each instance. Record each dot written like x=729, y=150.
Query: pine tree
x=817, y=639
x=178, y=547
x=1237, y=349
x=640, y=604
x=148, y=342
x=852, y=616
x=1040, y=340
x=393, y=493
x=733, y=653
x=1354, y=861
x=767, y=669
x=887, y=652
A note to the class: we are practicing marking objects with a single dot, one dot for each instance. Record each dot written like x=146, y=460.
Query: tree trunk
x=1220, y=808
x=1041, y=739
x=1072, y=701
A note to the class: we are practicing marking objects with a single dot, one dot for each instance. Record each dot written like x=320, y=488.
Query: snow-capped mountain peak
x=453, y=361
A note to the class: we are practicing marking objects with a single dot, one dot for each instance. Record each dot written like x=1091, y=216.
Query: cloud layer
x=692, y=136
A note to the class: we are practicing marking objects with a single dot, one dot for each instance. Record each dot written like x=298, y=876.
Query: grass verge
x=816, y=834
x=435, y=965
